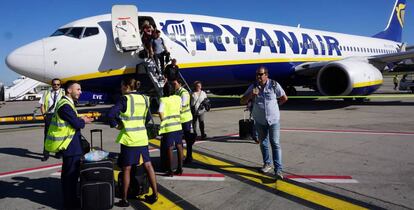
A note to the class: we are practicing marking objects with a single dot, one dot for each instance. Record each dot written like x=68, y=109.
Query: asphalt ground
x=336, y=154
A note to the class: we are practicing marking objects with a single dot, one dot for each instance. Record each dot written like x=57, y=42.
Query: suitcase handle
x=96, y=131
x=244, y=115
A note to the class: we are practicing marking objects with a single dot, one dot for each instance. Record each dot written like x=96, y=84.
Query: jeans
x=270, y=133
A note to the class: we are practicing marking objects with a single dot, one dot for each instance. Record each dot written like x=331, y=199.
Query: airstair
x=127, y=39
x=20, y=87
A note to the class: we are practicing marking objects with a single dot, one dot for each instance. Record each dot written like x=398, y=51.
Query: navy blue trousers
x=69, y=176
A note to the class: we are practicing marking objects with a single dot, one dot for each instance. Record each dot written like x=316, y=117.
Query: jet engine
x=348, y=77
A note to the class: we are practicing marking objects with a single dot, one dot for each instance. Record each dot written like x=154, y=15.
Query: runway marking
x=321, y=178
x=196, y=177
x=366, y=132
x=30, y=170
x=280, y=185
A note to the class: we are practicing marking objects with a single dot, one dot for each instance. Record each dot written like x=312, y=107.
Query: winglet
x=395, y=25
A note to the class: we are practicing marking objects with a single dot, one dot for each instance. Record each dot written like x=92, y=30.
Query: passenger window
x=172, y=37
x=75, y=32
x=202, y=39
x=90, y=32
x=235, y=40
x=227, y=40
x=211, y=38
x=251, y=41
x=272, y=44
x=60, y=31
x=301, y=45
x=258, y=42
x=219, y=40
x=192, y=37
x=243, y=41
x=278, y=43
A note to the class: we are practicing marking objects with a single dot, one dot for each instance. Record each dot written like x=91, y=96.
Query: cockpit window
x=60, y=32
x=90, y=32
x=75, y=32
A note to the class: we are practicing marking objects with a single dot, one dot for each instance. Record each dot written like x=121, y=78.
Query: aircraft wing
x=392, y=58
x=310, y=69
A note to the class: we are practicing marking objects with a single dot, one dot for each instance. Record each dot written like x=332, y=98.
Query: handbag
x=86, y=147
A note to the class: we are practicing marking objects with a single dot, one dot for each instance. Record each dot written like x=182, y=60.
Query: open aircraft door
x=125, y=28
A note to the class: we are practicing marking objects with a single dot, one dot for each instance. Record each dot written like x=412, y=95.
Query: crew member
x=186, y=119
x=129, y=116
x=170, y=129
x=47, y=108
x=64, y=136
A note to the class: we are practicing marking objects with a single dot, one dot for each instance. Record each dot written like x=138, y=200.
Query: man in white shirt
x=47, y=108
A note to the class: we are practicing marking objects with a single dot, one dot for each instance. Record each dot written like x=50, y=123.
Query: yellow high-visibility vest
x=134, y=132
x=46, y=96
x=185, y=114
x=171, y=120
x=60, y=132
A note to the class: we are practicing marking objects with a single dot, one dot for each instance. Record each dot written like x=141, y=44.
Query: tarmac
x=336, y=155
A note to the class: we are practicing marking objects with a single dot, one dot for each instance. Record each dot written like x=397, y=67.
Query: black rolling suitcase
x=139, y=183
x=97, y=182
x=246, y=128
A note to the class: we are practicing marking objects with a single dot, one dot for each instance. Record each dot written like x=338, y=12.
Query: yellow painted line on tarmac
x=161, y=204
x=280, y=185
x=334, y=97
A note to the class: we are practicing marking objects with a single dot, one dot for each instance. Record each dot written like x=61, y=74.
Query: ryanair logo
x=176, y=31
x=400, y=9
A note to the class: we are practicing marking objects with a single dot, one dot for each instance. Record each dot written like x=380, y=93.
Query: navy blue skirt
x=131, y=155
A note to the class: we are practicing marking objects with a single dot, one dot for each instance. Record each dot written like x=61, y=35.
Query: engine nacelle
x=348, y=77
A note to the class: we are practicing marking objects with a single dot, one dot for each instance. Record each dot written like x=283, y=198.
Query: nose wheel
x=291, y=91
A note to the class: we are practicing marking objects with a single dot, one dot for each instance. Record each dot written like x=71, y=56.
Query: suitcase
x=246, y=128
x=164, y=157
x=97, y=182
x=139, y=183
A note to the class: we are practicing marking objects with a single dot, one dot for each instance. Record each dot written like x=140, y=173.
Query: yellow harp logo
x=400, y=9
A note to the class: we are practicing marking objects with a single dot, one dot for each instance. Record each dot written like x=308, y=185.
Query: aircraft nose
x=28, y=60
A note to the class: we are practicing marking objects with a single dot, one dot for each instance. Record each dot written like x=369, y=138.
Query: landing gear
x=291, y=91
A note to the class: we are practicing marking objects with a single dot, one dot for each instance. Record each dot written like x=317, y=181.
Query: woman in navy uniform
x=129, y=115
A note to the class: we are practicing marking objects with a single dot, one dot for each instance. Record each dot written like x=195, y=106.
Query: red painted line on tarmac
x=349, y=131
x=317, y=177
x=29, y=170
x=201, y=175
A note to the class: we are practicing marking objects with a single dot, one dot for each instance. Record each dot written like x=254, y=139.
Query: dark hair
x=55, y=79
x=266, y=71
x=168, y=89
x=132, y=83
x=196, y=83
x=69, y=84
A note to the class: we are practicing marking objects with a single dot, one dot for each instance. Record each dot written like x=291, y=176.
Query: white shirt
x=197, y=98
x=42, y=100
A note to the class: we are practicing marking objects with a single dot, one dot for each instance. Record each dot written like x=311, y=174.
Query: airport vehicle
x=223, y=53
x=407, y=82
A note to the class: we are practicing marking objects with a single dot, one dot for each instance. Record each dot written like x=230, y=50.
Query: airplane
x=222, y=53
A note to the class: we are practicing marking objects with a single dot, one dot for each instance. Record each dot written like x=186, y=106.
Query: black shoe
x=44, y=158
x=122, y=203
x=179, y=171
x=204, y=136
x=151, y=199
x=169, y=173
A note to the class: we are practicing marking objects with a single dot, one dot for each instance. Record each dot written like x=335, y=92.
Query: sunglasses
x=260, y=74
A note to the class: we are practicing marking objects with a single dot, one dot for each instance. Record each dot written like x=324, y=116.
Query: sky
x=24, y=21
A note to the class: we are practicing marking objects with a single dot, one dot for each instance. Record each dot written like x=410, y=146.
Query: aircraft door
x=125, y=28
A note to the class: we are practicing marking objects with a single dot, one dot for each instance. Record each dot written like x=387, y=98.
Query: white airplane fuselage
x=220, y=52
